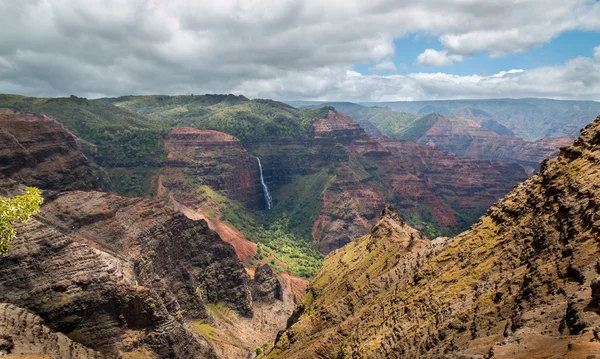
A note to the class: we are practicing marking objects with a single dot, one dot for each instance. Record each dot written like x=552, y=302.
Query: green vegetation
x=417, y=128
x=18, y=209
x=248, y=120
x=134, y=181
x=303, y=260
x=300, y=201
x=118, y=138
x=204, y=329
x=395, y=124
x=390, y=122
x=403, y=125
x=275, y=241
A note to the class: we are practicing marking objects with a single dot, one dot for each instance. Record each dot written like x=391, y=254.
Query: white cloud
x=597, y=53
x=434, y=58
x=384, y=66
x=578, y=78
x=279, y=48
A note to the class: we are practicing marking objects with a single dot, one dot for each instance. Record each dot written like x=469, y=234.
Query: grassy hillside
x=116, y=137
x=248, y=120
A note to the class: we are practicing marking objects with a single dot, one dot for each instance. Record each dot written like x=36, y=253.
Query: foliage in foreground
x=19, y=209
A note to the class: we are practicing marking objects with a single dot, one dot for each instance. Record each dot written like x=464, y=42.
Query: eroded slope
x=522, y=282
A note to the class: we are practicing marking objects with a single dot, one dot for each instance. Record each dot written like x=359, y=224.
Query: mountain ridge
x=520, y=283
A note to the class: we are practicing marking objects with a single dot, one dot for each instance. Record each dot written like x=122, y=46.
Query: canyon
x=200, y=242
x=521, y=283
x=467, y=138
x=120, y=276
x=471, y=132
x=437, y=191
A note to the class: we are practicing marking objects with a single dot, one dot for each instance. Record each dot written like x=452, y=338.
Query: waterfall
x=268, y=197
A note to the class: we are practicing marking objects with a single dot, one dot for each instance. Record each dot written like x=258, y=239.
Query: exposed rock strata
x=23, y=333
x=119, y=274
x=39, y=151
x=214, y=159
x=428, y=185
x=518, y=284
x=266, y=286
x=467, y=138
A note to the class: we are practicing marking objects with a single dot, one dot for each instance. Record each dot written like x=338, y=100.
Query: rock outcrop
x=204, y=168
x=121, y=275
x=266, y=286
x=442, y=192
x=214, y=159
x=39, y=151
x=521, y=283
x=467, y=138
x=23, y=333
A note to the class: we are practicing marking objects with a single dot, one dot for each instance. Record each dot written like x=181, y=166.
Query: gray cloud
x=284, y=49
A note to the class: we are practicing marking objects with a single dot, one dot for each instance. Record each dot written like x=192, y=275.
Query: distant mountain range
x=529, y=118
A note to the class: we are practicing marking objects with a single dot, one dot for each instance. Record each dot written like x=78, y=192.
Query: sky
x=334, y=50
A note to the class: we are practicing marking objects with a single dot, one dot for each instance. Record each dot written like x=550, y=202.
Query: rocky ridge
x=23, y=333
x=522, y=282
x=130, y=277
x=428, y=184
x=122, y=275
x=466, y=137
x=39, y=151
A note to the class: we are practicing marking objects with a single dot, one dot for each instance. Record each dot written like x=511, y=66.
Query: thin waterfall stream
x=268, y=197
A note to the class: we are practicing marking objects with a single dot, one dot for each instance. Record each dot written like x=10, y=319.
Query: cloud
x=384, y=66
x=434, y=58
x=283, y=48
x=597, y=53
x=578, y=78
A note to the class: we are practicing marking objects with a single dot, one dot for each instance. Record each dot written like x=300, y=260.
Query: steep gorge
x=435, y=190
x=465, y=137
x=325, y=180
x=522, y=282
x=124, y=277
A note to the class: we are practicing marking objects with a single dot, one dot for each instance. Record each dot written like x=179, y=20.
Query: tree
x=16, y=209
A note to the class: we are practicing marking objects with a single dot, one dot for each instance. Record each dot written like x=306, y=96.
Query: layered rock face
x=214, y=159
x=39, y=151
x=203, y=166
x=428, y=185
x=351, y=202
x=122, y=275
x=521, y=283
x=445, y=185
x=132, y=277
x=467, y=138
x=23, y=333
x=266, y=286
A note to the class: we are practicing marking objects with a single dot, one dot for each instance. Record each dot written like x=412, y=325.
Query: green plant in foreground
x=16, y=209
